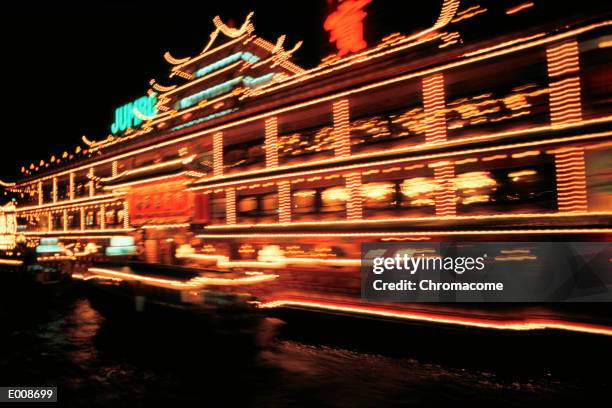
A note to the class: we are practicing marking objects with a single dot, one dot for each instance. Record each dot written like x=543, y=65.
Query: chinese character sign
x=345, y=26
x=165, y=201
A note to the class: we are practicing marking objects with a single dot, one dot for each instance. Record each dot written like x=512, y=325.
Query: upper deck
x=433, y=108
x=451, y=42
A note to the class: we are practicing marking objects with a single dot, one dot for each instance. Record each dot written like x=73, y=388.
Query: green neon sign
x=134, y=113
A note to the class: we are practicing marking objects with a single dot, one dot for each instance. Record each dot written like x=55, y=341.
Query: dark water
x=95, y=362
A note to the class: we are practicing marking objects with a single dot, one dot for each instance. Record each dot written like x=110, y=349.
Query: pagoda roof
x=220, y=44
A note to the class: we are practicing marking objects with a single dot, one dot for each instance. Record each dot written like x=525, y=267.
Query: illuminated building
x=249, y=161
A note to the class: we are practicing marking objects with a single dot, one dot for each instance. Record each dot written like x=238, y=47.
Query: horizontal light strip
x=10, y=262
x=423, y=147
x=104, y=198
x=412, y=159
x=164, y=226
x=144, y=181
x=413, y=233
x=430, y=218
x=515, y=325
x=36, y=233
x=138, y=170
x=86, y=236
x=194, y=283
x=535, y=43
x=279, y=262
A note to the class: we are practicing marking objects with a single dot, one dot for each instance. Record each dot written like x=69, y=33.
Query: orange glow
x=338, y=193
x=162, y=88
x=312, y=73
x=56, y=258
x=525, y=154
x=218, y=154
x=104, y=198
x=346, y=26
x=271, y=142
x=432, y=156
x=517, y=174
x=518, y=8
x=416, y=187
x=230, y=205
x=483, y=217
x=71, y=232
x=194, y=283
x=126, y=215
x=164, y=226
x=354, y=206
x=482, y=323
x=151, y=167
x=144, y=181
x=377, y=191
x=414, y=233
x=434, y=104
x=342, y=137
x=571, y=180
x=565, y=102
x=308, y=75
x=445, y=192
x=503, y=44
x=469, y=13
x=475, y=180
x=270, y=258
x=10, y=262
x=284, y=202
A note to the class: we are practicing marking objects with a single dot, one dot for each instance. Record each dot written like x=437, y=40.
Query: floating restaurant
x=243, y=160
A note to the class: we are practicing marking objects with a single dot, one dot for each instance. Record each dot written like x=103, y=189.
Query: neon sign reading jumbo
x=134, y=113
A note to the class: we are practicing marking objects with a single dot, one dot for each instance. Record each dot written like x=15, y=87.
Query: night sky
x=68, y=67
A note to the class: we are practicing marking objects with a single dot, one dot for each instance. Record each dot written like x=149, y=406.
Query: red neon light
x=160, y=200
x=345, y=26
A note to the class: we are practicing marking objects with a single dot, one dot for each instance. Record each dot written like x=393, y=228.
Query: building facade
x=250, y=161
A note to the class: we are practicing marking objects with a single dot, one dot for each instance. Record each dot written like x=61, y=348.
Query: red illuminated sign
x=160, y=202
x=345, y=26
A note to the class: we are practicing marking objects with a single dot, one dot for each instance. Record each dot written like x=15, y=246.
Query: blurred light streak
x=11, y=262
x=515, y=325
x=424, y=218
x=518, y=8
x=194, y=283
x=432, y=156
x=493, y=232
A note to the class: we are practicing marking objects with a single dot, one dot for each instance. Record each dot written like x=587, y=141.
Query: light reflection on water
x=95, y=362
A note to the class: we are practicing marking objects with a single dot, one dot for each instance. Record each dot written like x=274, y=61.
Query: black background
x=67, y=67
